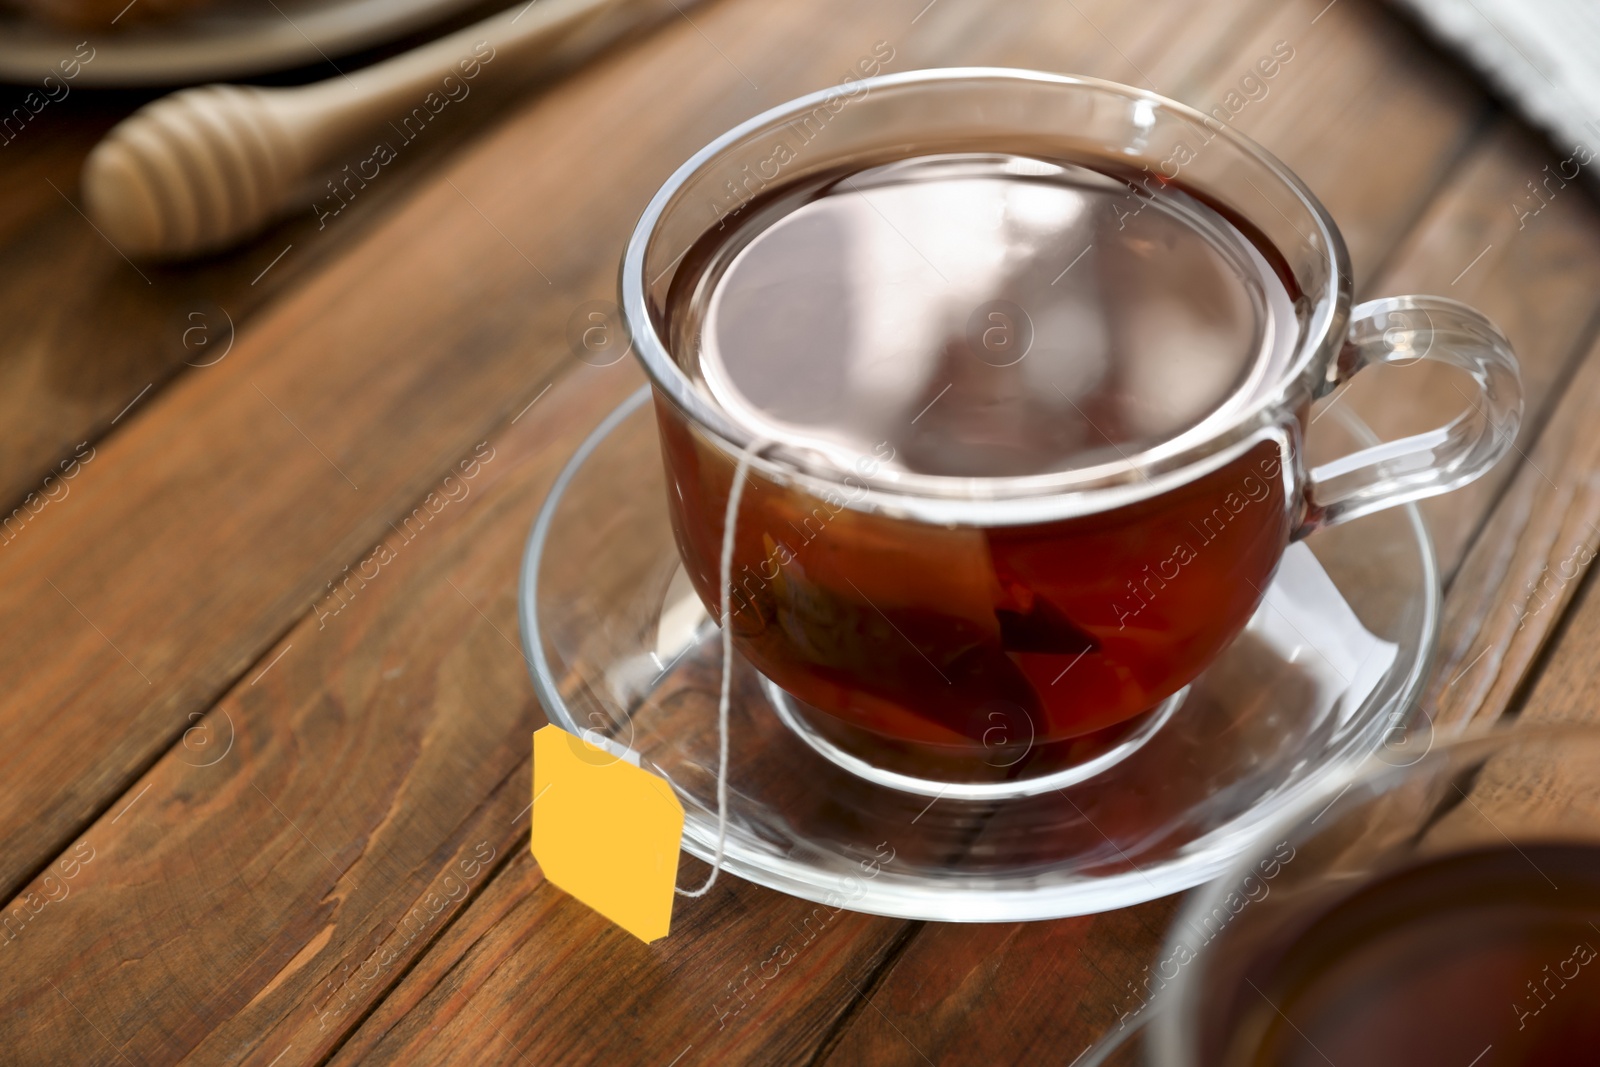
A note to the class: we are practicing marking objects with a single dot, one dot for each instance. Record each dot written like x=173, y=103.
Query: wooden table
x=241, y=829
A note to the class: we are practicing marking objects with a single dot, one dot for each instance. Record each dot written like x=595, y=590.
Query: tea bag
x=610, y=837
x=606, y=831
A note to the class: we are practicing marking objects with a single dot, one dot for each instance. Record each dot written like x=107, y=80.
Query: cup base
x=1079, y=760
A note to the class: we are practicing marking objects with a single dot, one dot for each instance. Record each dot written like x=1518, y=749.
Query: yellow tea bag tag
x=605, y=831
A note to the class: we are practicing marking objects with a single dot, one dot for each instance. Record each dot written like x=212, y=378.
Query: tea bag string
x=729, y=519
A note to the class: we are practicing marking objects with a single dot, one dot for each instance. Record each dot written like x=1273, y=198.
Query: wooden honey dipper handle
x=205, y=167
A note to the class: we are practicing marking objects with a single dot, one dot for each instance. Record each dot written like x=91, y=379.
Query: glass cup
x=1458, y=967
x=1011, y=629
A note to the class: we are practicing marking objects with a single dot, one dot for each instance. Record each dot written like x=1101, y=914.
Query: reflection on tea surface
x=985, y=315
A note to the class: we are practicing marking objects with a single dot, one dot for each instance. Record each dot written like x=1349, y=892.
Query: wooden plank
x=1520, y=581
x=190, y=665
x=223, y=514
x=325, y=346
x=1536, y=524
x=233, y=499
x=997, y=974
x=226, y=505
x=84, y=332
x=1533, y=275
x=280, y=956
x=1536, y=283
x=532, y=976
x=271, y=876
x=944, y=956
x=1359, y=85
x=419, y=1023
x=1534, y=643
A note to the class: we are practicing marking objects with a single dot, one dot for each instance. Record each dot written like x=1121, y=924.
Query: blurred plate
x=226, y=39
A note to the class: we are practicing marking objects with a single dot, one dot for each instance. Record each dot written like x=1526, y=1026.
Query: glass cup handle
x=1401, y=330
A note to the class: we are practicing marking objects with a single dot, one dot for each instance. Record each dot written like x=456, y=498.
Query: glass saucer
x=622, y=653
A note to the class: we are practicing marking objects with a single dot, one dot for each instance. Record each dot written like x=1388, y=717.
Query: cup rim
x=1172, y=1015
x=1157, y=469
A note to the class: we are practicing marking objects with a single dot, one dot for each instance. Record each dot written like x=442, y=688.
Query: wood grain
x=710, y=992
x=267, y=880
x=84, y=331
x=1519, y=582
x=1540, y=624
x=1360, y=89
x=256, y=908
x=1538, y=289
x=1537, y=283
x=932, y=993
x=277, y=440
x=967, y=994
x=233, y=499
x=202, y=529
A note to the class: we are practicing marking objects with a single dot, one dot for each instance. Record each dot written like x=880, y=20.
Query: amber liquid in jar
x=1487, y=959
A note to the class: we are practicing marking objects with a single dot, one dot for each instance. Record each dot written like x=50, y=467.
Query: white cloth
x=1544, y=55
